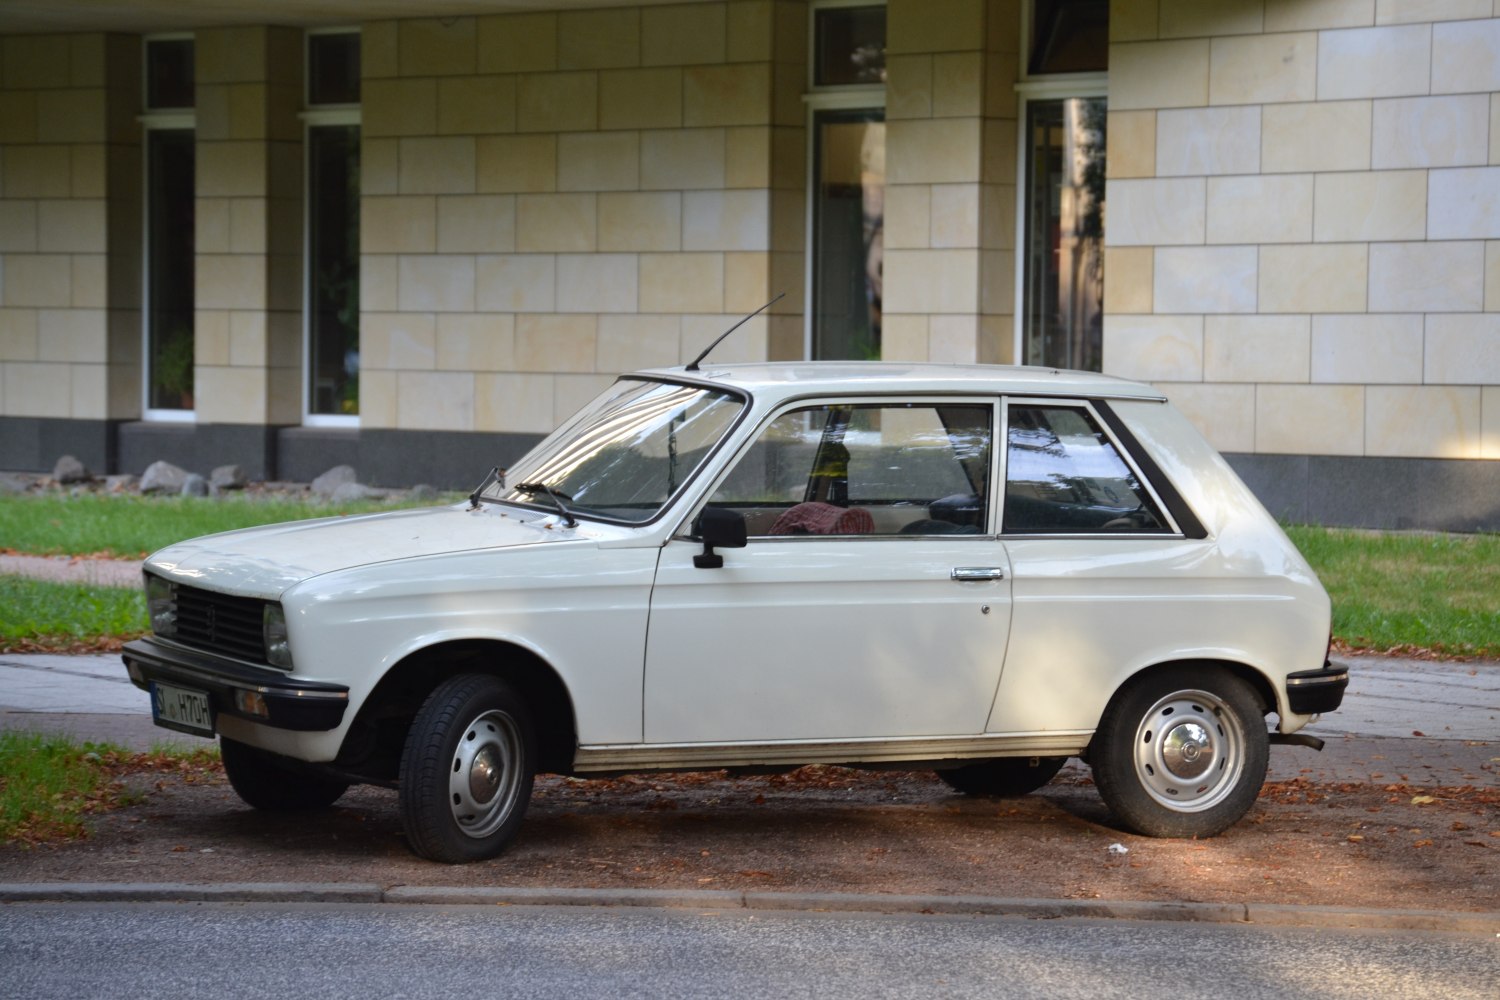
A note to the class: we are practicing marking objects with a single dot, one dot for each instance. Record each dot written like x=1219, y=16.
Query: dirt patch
x=825, y=829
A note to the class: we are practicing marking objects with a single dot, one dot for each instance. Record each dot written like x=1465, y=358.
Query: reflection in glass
x=848, y=234
x=1063, y=475
x=1064, y=283
x=169, y=268
x=850, y=46
x=333, y=268
x=628, y=453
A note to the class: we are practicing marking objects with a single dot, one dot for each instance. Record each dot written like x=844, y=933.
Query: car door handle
x=978, y=573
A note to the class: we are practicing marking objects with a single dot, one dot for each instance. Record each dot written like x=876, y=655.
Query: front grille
x=220, y=623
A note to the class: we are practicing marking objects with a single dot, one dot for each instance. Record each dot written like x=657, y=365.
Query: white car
x=980, y=570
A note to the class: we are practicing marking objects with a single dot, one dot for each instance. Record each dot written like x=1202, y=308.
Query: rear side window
x=1063, y=475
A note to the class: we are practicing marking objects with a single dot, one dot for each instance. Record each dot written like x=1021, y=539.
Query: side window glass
x=1062, y=475
x=876, y=469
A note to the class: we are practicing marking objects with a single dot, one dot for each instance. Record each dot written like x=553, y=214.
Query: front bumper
x=1312, y=692
x=304, y=706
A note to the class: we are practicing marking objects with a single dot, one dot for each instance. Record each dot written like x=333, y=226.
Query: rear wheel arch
x=378, y=734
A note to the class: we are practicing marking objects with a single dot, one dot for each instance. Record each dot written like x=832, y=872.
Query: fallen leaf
x=1355, y=837
x=1422, y=843
x=1422, y=800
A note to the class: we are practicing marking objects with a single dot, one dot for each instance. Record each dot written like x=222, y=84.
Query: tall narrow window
x=1064, y=261
x=1060, y=278
x=847, y=189
x=332, y=288
x=848, y=233
x=169, y=207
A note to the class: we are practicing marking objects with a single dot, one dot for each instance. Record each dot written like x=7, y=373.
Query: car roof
x=797, y=378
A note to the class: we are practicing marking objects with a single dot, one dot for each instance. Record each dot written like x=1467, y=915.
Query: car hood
x=265, y=561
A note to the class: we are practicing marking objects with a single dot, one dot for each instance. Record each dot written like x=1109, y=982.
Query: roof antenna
x=694, y=365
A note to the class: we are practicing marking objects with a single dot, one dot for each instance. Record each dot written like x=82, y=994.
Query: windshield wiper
x=557, y=498
x=496, y=475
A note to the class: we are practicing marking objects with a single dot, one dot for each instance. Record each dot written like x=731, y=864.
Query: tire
x=1181, y=752
x=1006, y=777
x=467, y=770
x=274, y=783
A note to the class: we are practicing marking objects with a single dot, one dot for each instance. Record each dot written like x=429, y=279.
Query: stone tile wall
x=551, y=198
x=951, y=187
x=1304, y=221
x=248, y=217
x=69, y=227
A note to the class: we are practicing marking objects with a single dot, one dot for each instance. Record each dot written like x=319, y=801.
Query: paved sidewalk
x=67, y=569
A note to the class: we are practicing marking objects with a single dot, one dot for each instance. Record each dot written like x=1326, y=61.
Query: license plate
x=181, y=708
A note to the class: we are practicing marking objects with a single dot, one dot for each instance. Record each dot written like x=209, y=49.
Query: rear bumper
x=305, y=706
x=1312, y=692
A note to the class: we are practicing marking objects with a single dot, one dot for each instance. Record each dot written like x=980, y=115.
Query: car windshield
x=626, y=455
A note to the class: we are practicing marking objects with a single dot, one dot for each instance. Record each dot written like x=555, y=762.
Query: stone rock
x=349, y=492
x=121, y=484
x=15, y=482
x=194, y=485
x=228, y=477
x=422, y=491
x=163, y=477
x=330, y=481
x=69, y=470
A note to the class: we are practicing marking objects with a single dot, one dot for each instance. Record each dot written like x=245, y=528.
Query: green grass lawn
x=49, y=785
x=38, y=615
x=133, y=526
x=1395, y=591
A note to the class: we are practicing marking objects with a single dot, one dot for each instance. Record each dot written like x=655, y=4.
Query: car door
x=872, y=599
x=1108, y=567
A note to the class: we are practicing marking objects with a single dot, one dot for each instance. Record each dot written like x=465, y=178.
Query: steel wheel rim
x=484, y=781
x=1189, y=751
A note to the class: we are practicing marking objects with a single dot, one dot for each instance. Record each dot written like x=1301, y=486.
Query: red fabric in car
x=823, y=519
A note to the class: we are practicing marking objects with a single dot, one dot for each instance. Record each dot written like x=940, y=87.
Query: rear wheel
x=1005, y=777
x=275, y=783
x=467, y=770
x=1181, y=752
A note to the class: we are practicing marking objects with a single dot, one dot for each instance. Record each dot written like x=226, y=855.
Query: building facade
x=305, y=233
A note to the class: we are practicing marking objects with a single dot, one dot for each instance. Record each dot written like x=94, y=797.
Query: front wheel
x=1003, y=778
x=1181, y=752
x=467, y=770
x=277, y=784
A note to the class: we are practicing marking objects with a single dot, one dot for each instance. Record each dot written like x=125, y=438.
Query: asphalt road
x=255, y=950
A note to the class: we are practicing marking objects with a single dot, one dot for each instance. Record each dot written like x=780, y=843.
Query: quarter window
x=906, y=469
x=1064, y=476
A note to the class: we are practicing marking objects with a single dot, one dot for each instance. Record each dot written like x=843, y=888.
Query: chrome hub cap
x=484, y=782
x=1189, y=751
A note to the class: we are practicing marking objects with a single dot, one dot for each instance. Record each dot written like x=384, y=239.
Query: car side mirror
x=717, y=526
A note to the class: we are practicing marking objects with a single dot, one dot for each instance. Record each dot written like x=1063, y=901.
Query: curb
x=1261, y=914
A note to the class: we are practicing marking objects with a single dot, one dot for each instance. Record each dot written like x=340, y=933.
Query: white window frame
x=312, y=117
x=854, y=97
x=176, y=119
x=1041, y=88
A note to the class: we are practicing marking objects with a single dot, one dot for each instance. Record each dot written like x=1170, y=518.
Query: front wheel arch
x=376, y=738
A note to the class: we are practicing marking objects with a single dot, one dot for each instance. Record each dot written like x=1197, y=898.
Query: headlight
x=161, y=606
x=273, y=628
